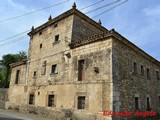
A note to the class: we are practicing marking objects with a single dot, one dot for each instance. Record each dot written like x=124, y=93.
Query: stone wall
x=57, y=114
x=3, y=97
x=128, y=84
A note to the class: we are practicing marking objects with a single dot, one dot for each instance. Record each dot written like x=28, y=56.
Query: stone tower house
x=75, y=63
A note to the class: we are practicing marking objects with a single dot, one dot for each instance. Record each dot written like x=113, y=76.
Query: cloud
x=152, y=12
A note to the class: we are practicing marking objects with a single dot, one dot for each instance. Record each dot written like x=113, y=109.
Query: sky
x=136, y=20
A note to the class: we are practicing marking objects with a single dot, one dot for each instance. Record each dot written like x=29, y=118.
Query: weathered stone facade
x=106, y=80
x=3, y=97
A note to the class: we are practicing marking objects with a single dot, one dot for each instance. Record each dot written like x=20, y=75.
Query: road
x=12, y=115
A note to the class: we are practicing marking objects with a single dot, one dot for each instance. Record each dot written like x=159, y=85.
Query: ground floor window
x=51, y=100
x=148, y=104
x=136, y=103
x=81, y=102
x=31, y=99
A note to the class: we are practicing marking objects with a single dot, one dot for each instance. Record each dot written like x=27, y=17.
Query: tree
x=7, y=60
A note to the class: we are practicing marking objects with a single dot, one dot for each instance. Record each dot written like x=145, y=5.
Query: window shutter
x=86, y=62
x=43, y=69
x=75, y=62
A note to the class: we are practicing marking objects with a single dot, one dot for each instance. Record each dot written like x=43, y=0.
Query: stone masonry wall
x=3, y=97
x=128, y=85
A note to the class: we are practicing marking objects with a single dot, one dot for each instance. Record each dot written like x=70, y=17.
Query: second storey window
x=135, y=67
x=80, y=70
x=142, y=70
x=54, y=69
x=148, y=73
x=17, y=76
x=157, y=75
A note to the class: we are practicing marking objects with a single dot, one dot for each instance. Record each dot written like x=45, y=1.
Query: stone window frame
x=47, y=98
x=139, y=103
x=79, y=94
x=17, y=76
x=34, y=98
x=135, y=67
x=56, y=69
x=56, y=39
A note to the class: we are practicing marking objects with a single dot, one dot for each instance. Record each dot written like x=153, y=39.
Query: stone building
x=76, y=63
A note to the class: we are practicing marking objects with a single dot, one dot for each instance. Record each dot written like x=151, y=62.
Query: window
x=17, y=76
x=157, y=75
x=81, y=102
x=80, y=70
x=31, y=99
x=159, y=100
x=136, y=103
x=142, y=70
x=135, y=67
x=148, y=73
x=40, y=33
x=34, y=74
x=56, y=38
x=51, y=100
x=54, y=69
x=40, y=46
x=148, y=104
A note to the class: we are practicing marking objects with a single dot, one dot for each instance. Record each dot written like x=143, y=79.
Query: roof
x=112, y=33
x=70, y=12
x=22, y=62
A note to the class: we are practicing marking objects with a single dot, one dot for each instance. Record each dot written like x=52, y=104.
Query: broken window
x=148, y=104
x=31, y=99
x=54, y=69
x=142, y=70
x=43, y=69
x=157, y=75
x=51, y=100
x=81, y=102
x=148, y=73
x=135, y=67
x=80, y=70
x=56, y=38
x=17, y=76
x=136, y=103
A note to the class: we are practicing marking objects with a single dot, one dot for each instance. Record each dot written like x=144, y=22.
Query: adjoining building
x=76, y=63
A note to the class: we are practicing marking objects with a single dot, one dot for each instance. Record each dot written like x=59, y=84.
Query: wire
x=13, y=41
x=103, y=6
x=33, y=11
x=14, y=35
x=81, y=9
x=110, y=9
x=91, y=5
